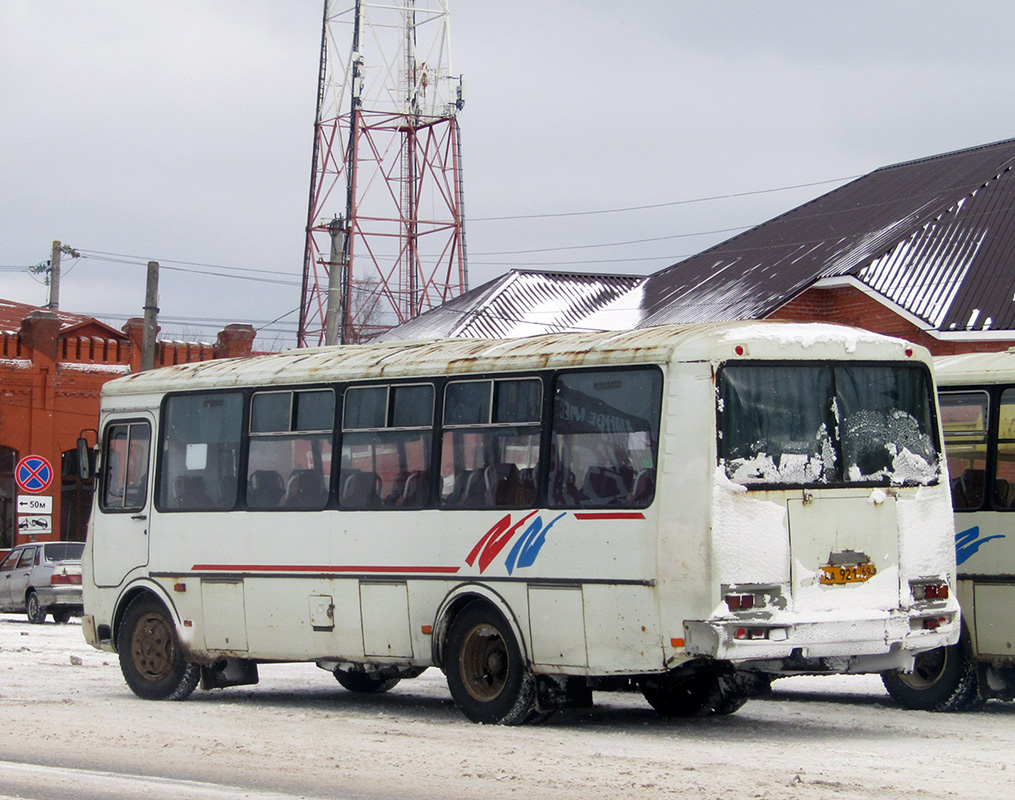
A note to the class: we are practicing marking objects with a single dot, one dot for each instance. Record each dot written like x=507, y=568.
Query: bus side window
x=387, y=434
x=200, y=452
x=490, y=443
x=964, y=418
x=603, y=442
x=289, y=460
x=1004, y=479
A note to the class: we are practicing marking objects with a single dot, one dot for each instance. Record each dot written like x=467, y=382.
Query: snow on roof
x=521, y=303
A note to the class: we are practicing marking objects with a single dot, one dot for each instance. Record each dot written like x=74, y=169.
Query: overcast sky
x=181, y=132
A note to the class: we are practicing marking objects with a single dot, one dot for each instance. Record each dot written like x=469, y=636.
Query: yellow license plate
x=847, y=573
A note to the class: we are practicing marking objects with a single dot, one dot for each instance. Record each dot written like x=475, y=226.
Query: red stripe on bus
x=609, y=515
x=316, y=568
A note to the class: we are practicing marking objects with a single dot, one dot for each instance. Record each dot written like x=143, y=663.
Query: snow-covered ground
x=299, y=734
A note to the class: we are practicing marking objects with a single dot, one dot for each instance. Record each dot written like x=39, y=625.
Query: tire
x=34, y=609
x=61, y=616
x=487, y=676
x=365, y=682
x=703, y=694
x=151, y=658
x=943, y=679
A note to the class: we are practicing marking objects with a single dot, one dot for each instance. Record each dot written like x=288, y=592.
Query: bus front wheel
x=943, y=679
x=487, y=675
x=151, y=658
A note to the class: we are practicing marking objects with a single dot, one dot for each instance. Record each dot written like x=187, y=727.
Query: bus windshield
x=819, y=424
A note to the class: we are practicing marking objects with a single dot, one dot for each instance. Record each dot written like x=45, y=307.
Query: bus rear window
x=818, y=424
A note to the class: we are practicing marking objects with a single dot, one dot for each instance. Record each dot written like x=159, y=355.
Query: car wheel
x=151, y=658
x=34, y=609
x=704, y=694
x=943, y=679
x=365, y=682
x=60, y=616
x=487, y=676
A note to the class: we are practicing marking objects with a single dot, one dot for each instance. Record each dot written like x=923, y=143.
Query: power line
x=665, y=205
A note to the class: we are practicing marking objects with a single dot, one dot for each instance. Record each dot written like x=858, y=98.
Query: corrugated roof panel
x=854, y=230
x=521, y=304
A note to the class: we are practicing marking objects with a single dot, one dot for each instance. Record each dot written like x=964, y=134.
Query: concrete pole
x=335, y=316
x=151, y=314
x=54, y=278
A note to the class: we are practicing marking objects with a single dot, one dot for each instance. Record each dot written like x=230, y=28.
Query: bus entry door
x=125, y=501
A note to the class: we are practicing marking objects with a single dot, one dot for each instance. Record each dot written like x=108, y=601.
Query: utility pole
x=54, y=273
x=336, y=317
x=151, y=312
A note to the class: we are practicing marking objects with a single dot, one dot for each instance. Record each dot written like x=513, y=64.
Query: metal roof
x=936, y=236
x=522, y=303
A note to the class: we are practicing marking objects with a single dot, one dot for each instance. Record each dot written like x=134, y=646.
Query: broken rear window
x=819, y=424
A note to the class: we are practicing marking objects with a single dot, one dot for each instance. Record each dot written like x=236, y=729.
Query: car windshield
x=64, y=551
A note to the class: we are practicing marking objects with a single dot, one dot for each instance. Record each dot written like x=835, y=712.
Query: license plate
x=839, y=574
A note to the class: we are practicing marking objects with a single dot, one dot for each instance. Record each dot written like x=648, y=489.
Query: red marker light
x=739, y=349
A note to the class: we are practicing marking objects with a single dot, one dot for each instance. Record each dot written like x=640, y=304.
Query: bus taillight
x=740, y=602
x=930, y=591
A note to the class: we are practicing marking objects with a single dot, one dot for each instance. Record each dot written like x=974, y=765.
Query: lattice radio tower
x=385, y=225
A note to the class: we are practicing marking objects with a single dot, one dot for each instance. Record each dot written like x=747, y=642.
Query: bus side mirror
x=84, y=459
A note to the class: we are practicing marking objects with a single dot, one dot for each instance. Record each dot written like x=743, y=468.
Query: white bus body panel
x=609, y=593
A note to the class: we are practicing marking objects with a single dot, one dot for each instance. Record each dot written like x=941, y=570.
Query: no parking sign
x=33, y=474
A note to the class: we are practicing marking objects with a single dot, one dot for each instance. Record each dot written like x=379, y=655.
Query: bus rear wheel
x=151, y=658
x=365, y=682
x=943, y=679
x=487, y=676
x=704, y=694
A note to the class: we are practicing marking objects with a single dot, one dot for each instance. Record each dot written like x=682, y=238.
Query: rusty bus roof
x=465, y=356
x=976, y=368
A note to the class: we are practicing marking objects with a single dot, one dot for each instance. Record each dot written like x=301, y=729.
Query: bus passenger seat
x=974, y=482
x=525, y=493
x=190, y=493
x=605, y=486
x=501, y=484
x=306, y=489
x=360, y=490
x=644, y=486
x=1001, y=498
x=265, y=489
x=416, y=487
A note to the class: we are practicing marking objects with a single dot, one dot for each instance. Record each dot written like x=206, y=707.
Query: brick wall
x=847, y=305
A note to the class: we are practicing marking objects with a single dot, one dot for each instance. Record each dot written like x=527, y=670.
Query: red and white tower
x=385, y=225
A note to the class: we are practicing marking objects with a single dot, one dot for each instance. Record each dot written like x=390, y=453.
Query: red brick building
x=52, y=368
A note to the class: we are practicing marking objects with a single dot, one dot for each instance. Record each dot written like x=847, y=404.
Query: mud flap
x=562, y=691
x=229, y=672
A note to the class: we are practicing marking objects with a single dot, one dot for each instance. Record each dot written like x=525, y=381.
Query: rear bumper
x=60, y=596
x=789, y=645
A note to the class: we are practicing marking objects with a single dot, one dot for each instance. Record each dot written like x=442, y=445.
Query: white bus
x=977, y=399
x=685, y=511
